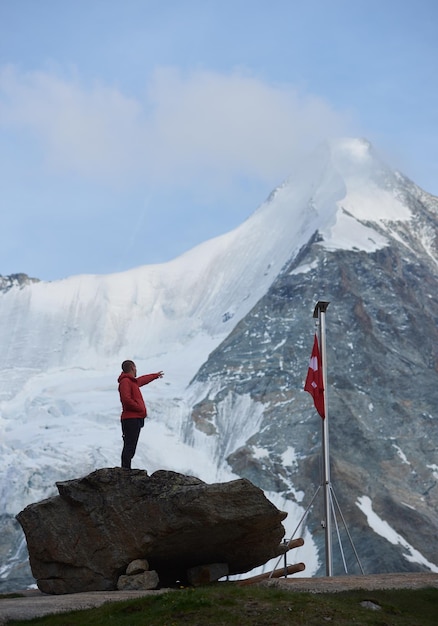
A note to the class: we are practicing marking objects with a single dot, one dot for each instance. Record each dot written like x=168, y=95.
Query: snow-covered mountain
x=230, y=323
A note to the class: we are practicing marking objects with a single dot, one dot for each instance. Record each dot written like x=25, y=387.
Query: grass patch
x=230, y=605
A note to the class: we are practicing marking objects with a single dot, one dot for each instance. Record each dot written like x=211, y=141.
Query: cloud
x=232, y=125
x=202, y=127
x=86, y=131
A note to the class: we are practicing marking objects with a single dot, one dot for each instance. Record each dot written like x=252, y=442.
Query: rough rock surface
x=15, y=280
x=145, y=580
x=382, y=364
x=84, y=539
x=137, y=567
x=138, y=576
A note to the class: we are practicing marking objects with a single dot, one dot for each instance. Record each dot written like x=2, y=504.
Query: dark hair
x=128, y=366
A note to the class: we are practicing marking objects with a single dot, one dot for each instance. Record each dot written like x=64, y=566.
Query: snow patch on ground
x=401, y=454
x=383, y=529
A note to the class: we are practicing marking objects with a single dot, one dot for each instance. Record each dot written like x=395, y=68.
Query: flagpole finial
x=321, y=306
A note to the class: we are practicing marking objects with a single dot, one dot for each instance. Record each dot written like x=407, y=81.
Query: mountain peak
x=354, y=148
x=356, y=158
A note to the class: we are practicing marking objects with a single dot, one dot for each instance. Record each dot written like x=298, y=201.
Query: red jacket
x=132, y=401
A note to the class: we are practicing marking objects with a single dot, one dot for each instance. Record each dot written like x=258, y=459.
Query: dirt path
x=346, y=583
x=36, y=604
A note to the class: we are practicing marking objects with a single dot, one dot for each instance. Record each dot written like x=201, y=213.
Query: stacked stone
x=138, y=576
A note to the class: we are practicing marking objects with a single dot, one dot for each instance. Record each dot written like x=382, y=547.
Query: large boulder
x=84, y=539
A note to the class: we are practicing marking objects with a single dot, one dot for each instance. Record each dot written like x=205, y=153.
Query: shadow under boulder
x=84, y=539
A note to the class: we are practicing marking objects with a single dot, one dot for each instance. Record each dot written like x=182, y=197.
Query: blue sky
x=132, y=130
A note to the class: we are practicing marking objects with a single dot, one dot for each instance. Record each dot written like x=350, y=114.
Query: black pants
x=131, y=431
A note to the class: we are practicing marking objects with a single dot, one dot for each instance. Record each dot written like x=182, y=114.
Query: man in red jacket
x=134, y=408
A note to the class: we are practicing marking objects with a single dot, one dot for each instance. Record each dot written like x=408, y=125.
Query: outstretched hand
x=160, y=374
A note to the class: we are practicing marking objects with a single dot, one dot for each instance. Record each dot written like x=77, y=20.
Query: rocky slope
x=382, y=362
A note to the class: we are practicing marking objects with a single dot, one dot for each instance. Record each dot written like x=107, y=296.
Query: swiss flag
x=314, y=381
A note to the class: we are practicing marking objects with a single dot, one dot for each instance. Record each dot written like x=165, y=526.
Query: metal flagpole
x=319, y=313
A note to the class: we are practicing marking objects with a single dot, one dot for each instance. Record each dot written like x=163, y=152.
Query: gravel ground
x=346, y=583
x=36, y=604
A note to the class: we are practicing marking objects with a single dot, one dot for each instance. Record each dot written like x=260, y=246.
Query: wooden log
x=293, y=543
x=277, y=573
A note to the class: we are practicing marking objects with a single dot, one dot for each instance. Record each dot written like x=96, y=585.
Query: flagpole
x=319, y=313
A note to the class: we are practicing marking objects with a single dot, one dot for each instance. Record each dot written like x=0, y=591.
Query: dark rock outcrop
x=19, y=280
x=84, y=539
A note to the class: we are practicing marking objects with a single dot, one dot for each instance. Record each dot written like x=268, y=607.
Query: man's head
x=129, y=367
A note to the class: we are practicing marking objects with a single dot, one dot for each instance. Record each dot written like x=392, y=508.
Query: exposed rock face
x=382, y=363
x=84, y=539
x=15, y=280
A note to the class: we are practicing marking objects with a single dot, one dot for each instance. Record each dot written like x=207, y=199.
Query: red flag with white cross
x=314, y=380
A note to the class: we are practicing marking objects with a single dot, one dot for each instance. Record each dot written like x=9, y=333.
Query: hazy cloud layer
x=217, y=127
